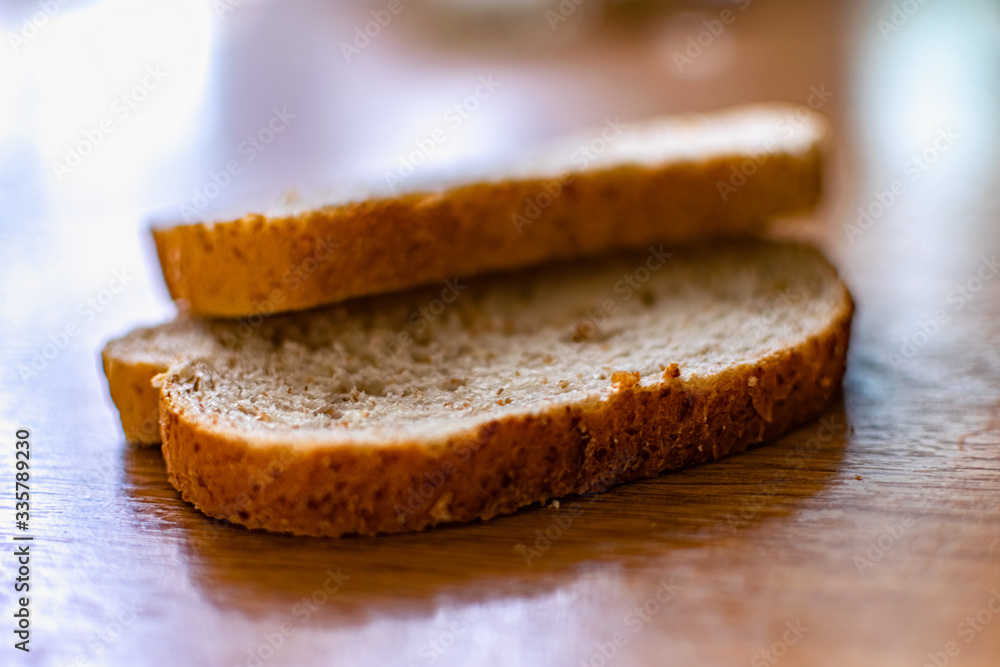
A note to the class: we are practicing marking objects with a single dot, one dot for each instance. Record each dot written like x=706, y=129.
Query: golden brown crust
x=130, y=384
x=260, y=265
x=508, y=463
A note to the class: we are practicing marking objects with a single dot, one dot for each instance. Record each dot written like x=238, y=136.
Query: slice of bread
x=673, y=180
x=399, y=412
x=131, y=362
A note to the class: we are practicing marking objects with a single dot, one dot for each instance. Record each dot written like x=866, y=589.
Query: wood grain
x=871, y=537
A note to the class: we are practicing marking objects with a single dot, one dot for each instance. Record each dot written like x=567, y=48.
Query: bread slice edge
x=507, y=463
x=261, y=264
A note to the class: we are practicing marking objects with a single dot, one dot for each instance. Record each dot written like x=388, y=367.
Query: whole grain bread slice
x=672, y=180
x=460, y=402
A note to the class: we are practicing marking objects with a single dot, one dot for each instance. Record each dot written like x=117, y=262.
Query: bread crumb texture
x=387, y=414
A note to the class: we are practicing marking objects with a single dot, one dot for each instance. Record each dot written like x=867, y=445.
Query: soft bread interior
x=430, y=362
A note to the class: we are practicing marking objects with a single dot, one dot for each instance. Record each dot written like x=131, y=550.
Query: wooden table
x=871, y=537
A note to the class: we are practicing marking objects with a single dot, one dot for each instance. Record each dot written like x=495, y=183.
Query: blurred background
x=117, y=112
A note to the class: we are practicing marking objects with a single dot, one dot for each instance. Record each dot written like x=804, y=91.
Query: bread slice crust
x=510, y=462
x=261, y=264
x=130, y=383
x=132, y=361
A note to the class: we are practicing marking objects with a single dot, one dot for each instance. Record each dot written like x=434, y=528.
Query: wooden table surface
x=871, y=537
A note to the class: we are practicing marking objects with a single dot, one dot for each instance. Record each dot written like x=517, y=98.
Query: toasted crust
x=138, y=401
x=507, y=463
x=259, y=264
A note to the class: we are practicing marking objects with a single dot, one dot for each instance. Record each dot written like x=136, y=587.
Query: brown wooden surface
x=876, y=533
